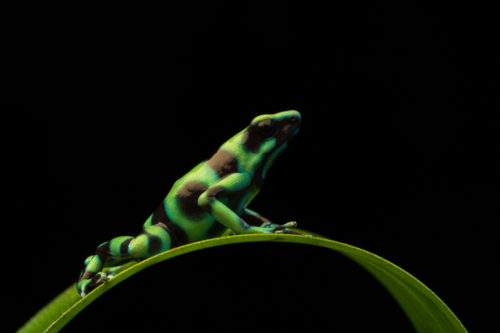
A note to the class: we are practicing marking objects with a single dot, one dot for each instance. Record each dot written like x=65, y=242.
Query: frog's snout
x=292, y=123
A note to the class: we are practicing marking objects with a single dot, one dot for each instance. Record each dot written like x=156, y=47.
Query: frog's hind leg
x=154, y=239
x=106, y=254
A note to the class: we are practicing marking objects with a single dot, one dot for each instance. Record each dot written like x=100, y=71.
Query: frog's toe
x=87, y=285
x=286, y=231
x=291, y=224
x=82, y=287
x=283, y=228
x=111, y=272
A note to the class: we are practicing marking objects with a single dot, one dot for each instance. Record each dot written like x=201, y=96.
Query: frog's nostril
x=295, y=121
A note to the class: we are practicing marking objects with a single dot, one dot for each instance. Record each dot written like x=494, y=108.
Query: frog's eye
x=266, y=127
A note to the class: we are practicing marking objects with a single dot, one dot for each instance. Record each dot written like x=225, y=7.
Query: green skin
x=204, y=203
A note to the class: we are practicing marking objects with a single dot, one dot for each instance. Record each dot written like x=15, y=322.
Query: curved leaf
x=426, y=311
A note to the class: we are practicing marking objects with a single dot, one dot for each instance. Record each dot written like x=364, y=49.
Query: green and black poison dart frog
x=204, y=203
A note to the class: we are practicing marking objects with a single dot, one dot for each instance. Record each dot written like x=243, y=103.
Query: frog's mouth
x=289, y=127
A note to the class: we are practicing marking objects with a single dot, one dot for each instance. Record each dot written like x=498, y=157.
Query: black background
x=397, y=154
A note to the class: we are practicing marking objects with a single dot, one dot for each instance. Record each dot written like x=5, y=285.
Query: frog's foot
x=85, y=286
x=280, y=228
x=111, y=272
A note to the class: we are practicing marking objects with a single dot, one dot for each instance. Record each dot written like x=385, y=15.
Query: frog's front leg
x=254, y=218
x=209, y=200
x=154, y=239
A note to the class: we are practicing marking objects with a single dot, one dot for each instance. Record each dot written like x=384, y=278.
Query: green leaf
x=426, y=311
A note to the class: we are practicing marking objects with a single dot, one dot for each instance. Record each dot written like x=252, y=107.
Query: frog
x=208, y=201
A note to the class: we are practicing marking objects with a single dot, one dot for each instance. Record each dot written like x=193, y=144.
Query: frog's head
x=269, y=134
